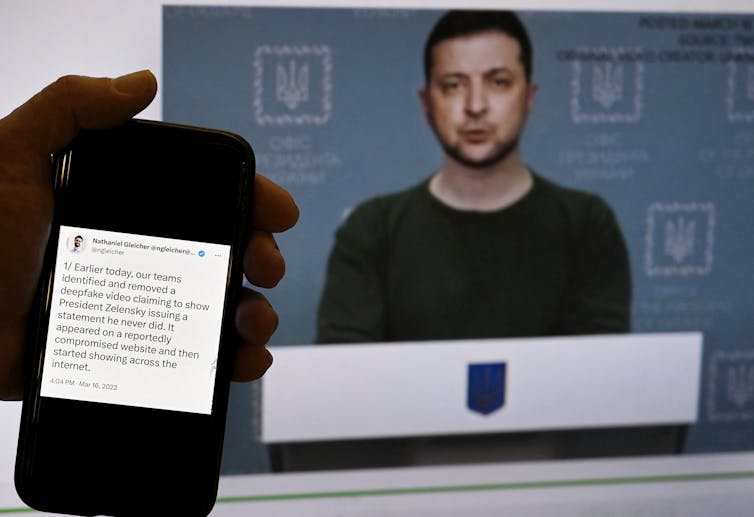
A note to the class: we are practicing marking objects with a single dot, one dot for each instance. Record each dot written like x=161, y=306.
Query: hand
x=47, y=123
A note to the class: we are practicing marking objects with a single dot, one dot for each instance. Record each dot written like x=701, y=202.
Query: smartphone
x=131, y=339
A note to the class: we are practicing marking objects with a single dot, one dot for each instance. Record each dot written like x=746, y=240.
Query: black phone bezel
x=45, y=486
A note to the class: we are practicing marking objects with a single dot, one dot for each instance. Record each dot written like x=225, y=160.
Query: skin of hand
x=47, y=123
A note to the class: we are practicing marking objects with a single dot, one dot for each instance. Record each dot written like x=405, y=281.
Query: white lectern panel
x=334, y=392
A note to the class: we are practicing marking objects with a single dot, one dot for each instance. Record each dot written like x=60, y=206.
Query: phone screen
x=132, y=340
x=132, y=318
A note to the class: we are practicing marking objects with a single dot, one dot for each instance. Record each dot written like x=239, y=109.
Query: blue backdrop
x=655, y=112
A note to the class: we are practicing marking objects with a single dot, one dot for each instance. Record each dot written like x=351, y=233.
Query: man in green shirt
x=484, y=247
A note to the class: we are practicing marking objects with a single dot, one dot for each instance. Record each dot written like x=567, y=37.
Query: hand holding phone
x=44, y=124
x=47, y=123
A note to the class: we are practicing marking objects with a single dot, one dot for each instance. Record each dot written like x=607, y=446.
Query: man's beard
x=501, y=151
x=499, y=154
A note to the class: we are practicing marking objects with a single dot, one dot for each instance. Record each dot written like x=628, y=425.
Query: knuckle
x=65, y=84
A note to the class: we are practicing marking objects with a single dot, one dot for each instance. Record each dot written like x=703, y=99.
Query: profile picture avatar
x=76, y=243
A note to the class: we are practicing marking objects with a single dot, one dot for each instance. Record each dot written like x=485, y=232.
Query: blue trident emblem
x=486, y=392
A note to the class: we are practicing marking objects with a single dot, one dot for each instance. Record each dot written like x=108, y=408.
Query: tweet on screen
x=135, y=320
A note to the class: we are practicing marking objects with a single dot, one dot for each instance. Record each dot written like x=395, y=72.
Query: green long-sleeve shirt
x=407, y=267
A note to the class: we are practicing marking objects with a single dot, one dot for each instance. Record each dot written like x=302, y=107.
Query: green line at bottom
x=493, y=486
x=471, y=488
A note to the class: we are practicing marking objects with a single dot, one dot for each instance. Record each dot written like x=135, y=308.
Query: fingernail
x=135, y=83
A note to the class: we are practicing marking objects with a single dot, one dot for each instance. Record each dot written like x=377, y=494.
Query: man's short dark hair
x=454, y=24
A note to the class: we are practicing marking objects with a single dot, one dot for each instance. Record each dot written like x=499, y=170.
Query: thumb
x=48, y=121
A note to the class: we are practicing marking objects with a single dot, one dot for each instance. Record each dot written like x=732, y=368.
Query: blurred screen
x=652, y=112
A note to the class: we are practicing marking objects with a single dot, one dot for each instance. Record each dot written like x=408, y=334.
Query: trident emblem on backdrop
x=740, y=384
x=292, y=85
x=679, y=238
x=607, y=84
